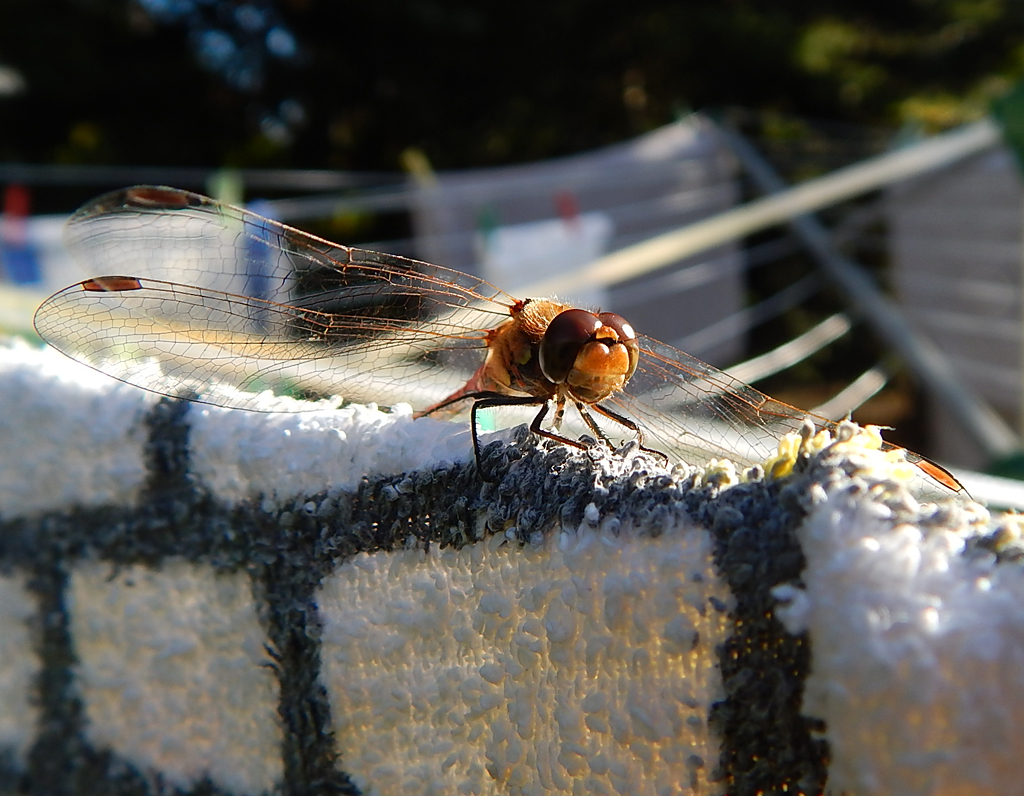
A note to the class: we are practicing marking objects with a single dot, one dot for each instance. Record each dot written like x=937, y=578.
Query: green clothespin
x=227, y=186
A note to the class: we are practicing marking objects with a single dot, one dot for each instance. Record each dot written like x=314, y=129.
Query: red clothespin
x=15, y=215
x=18, y=261
x=568, y=209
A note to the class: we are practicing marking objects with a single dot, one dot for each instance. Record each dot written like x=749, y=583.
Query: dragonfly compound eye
x=561, y=344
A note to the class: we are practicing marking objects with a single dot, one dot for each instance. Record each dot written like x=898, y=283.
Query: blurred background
x=352, y=86
x=518, y=140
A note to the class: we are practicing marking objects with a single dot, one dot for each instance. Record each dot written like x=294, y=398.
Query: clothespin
x=487, y=223
x=19, y=261
x=568, y=209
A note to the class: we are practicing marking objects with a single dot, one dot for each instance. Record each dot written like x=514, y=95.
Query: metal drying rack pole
x=777, y=208
x=989, y=430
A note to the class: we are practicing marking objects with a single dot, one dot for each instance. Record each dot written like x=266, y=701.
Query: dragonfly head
x=593, y=354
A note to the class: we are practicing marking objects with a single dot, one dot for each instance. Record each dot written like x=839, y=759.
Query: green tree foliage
x=470, y=82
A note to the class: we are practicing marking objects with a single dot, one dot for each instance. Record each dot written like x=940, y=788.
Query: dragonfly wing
x=178, y=339
x=183, y=237
x=217, y=293
x=694, y=412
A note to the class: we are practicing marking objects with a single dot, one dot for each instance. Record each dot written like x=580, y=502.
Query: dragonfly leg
x=491, y=400
x=494, y=400
x=450, y=404
x=592, y=424
x=536, y=428
x=625, y=421
x=556, y=421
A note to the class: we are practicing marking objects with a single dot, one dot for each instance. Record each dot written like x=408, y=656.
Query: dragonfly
x=192, y=292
